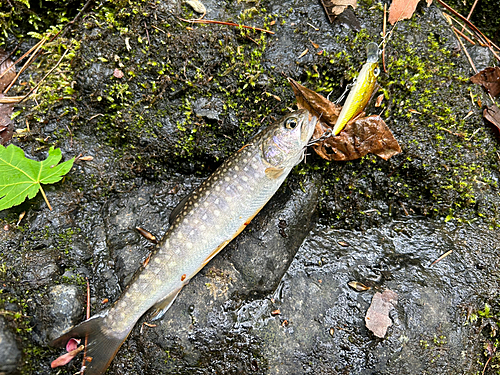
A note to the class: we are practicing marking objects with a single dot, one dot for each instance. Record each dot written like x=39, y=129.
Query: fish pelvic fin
x=102, y=344
x=161, y=307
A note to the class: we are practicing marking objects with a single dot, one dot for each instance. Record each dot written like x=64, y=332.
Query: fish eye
x=291, y=123
x=376, y=72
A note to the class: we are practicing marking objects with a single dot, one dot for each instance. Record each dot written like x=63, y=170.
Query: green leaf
x=21, y=177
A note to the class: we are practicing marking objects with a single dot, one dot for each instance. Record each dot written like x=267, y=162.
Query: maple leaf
x=21, y=177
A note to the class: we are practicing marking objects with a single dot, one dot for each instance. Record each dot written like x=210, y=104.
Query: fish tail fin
x=102, y=344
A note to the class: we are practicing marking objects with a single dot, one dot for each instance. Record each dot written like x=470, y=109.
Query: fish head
x=284, y=142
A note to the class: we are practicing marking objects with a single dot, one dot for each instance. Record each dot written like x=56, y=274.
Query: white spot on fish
x=204, y=217
x=235, y=176
x=196, y=221
x=236, y=168
x=179, y=235
x=191, y=233
x=177, y=251
x=217, y=201
x=216, y=212
x=239, y=188
x=217, y=188
x=255, y=166
x=157, y=260
x=245, y=169
x=245, y=160
x=227, y=179
x=244, y=178
x=206, y=204
x=189, y=245
x=196, y=204
x=228, y=188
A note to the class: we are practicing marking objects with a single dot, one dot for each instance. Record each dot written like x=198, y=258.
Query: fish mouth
x=308, y=126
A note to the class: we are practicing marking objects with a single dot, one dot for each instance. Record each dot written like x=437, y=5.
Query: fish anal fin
x=161, y=307
x=274, y=173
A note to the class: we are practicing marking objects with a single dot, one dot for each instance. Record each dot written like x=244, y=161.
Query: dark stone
x=65, y=309
x=10, y=355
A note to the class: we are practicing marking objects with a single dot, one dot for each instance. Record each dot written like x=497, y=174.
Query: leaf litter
x=362, y=135
x=7, y=74
x=489, y=79
x=377, y=317
x=403, y=10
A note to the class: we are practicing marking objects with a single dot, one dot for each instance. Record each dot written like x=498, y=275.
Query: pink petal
x=66, y=358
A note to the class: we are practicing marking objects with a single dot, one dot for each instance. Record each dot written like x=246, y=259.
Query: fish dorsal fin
x=177, y=210
x=274, y=173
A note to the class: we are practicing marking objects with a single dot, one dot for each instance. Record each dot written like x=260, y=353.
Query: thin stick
x=464, y=36
x=227, y=24
x=45, y=197
x=441, y=257
x=45, y=77
x=471, y=10
x=461, y=44
x=76, y=17
x=26, y=64
x=485, y=39
x=22, y=57
x=384, y=27
x=86, y=336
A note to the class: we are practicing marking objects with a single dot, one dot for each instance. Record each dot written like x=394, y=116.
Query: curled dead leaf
x=357, y=286
x=492, y=115
x=7, y=70
x=489, y=78
x=321, y=107
x=334, y=7
x=6, y=125
x=360, y=137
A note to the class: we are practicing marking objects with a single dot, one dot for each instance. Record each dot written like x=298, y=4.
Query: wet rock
x=252, y=265
x=481, y=56
x=39, y=266
x=10, y=355
x=210, y=109
x=65, y=309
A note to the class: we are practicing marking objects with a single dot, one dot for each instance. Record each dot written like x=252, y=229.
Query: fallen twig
x=441, y=257
x=227, y=24
x=45, y=77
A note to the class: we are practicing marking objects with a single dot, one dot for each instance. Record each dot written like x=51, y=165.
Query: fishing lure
x=362, y=90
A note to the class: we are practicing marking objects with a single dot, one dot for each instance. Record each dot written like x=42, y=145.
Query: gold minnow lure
x=362, y=90
x=203, y=223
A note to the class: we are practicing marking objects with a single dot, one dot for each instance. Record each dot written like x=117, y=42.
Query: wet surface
x=276, y=300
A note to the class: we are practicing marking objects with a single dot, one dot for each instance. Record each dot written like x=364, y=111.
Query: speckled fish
x=362, y=90
x=203, y=223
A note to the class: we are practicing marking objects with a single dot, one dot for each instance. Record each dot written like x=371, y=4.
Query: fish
x=200, y=226
x=362, y=90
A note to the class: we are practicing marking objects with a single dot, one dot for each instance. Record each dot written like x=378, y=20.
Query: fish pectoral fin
x=161, y=307
x=274, y=173
x=177, y=210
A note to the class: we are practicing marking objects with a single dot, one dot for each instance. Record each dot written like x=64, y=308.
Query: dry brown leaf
x=334, y=7
x=360, y=137
x=6, y=64
x=318, y=105
x=489, y=78
x=377, y=317
x=492, y=114
x=6, y=125
x=403, y=9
